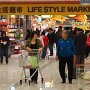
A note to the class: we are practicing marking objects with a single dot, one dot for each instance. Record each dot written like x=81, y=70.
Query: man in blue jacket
x=65, y=53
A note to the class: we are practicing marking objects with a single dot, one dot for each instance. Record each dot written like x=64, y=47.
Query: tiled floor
x=10, y=74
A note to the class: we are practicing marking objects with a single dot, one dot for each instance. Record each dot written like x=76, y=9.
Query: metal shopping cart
x=29, y=60
x=83, y=76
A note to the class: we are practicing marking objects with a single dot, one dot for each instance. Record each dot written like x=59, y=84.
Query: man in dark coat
x=80, y=41
x=51, y=37
x=4, y=41
x=58, y=34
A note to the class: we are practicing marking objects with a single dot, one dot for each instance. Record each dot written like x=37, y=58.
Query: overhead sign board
x=44, y=9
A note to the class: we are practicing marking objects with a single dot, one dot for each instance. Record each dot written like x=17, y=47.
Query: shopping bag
x=34, y=61
x=22, y=61
x=86, y=75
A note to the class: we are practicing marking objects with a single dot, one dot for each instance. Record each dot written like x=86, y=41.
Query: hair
x=65, y=31
x=43, y=33
x=33, y=33
x=60, y=27
x=79, y=29
x=2, y=33
x=50, y=29
x=28, y=31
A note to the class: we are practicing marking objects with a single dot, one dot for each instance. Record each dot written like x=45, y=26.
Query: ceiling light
x=46, y=16
x=71, y=15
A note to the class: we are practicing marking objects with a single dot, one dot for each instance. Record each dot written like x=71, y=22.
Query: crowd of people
x=72, y=47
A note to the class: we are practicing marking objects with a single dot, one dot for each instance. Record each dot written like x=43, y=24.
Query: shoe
x=70, y=82
x=35, y=82
x=63, y=81
x=6, y=62
x=50, y=55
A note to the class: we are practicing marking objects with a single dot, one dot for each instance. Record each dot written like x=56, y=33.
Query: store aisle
x=10, y=74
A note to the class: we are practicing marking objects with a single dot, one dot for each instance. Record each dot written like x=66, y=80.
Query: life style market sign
x=44, y=9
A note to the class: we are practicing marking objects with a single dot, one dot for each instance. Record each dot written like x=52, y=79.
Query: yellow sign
x=44, y=9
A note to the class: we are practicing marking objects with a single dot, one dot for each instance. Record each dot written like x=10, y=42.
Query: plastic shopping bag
x=87, y=75
x=34, y=61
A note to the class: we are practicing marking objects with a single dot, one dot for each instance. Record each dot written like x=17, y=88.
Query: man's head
x=3, y=34
x=43, y=33
x=60, y=28
x=79, y=30
x=50, y=29
x=64, y=34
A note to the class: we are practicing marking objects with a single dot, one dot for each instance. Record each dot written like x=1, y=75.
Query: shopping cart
x=83, y=76
x=29, y=60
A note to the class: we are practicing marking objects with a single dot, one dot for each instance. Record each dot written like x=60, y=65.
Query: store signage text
x=43, y=9
x=59, y=9
x=46, y=9
x=11, y=9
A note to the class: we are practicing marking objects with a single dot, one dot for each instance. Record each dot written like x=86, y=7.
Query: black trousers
x=35, y=77
x=87, y=51
x=51, y=48
x=62, y=64
x=4, y=52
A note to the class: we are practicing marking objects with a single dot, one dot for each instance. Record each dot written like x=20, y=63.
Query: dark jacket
x=58, y=36
x=72, y=34
x=80, y=41
x=4, y=42
x=65, y=48
x=28, y=35
x=51, y=37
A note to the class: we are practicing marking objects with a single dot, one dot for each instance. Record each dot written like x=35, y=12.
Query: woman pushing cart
x=31, y=44
x=34, y=48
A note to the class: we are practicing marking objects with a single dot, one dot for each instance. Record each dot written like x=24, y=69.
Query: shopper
x=4, y=41
x=31, y=44
x=65, y=52
x=51, y=37
x=58, y=34
x=72, y=33
x=88, y=44
x=45, y=44
x=80, y=42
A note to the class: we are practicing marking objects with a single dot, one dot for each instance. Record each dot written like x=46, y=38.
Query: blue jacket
x=65, y=48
